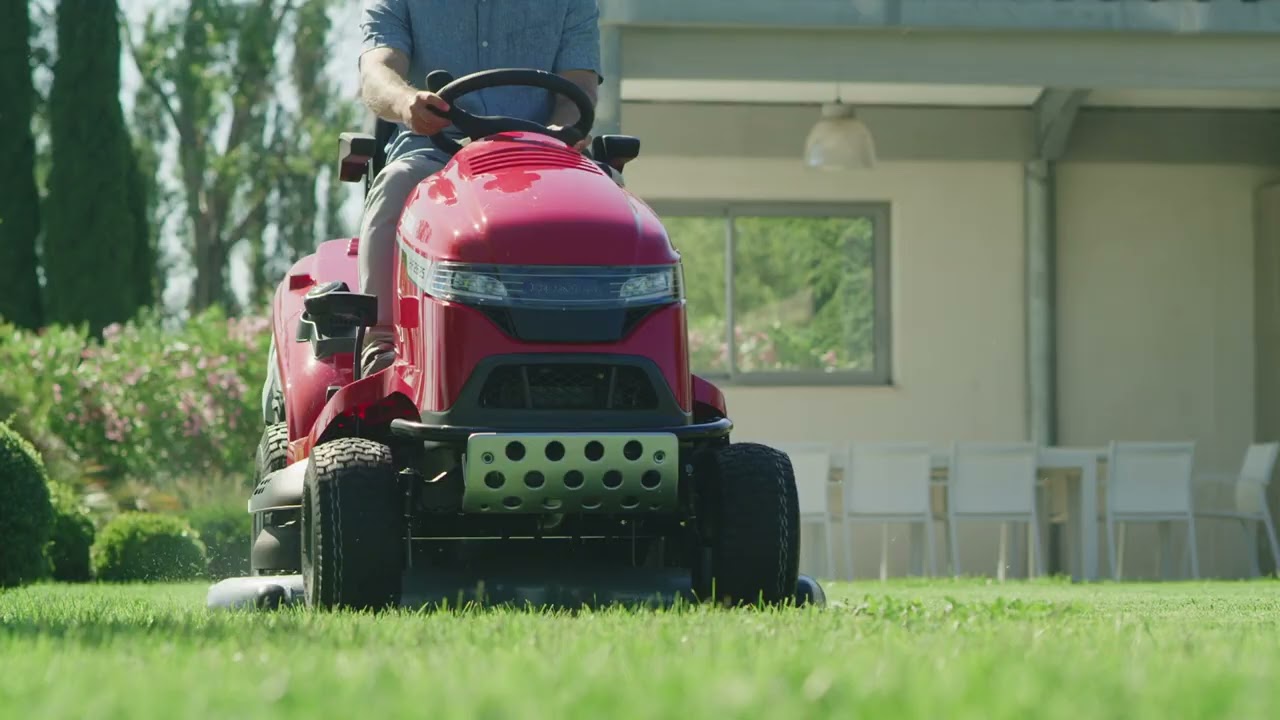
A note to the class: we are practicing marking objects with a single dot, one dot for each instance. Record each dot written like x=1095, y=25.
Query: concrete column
x=1041, y=307
x=609, y=105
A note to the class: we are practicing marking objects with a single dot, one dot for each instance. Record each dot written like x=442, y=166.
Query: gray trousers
x=386, y=200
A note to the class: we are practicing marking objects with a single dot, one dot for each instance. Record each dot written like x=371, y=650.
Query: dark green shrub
x=224, y=530
x=26, y=514
x=68, y=550
x=148, y=547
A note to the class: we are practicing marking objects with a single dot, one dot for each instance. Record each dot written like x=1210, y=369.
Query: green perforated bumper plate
x=571, y=473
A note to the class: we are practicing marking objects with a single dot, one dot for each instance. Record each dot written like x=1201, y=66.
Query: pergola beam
x=1166, y=16
x=1055, y=113
x=1065, y=59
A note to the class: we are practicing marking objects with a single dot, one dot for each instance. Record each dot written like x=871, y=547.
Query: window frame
x=881, y=272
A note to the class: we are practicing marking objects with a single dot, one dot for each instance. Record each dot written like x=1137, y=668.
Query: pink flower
x=57, y=393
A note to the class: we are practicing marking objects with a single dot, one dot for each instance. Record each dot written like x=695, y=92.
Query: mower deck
x=567, y=589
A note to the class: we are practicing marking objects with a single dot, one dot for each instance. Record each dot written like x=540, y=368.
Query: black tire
x=352, y=527
x=750, y=525
x=273, y=450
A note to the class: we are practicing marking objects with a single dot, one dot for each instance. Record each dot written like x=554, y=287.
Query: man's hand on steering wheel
x=580, y=146
x=417, y=112
x=448, y=90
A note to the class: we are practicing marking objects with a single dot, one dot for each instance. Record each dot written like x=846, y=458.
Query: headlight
x=537, y=286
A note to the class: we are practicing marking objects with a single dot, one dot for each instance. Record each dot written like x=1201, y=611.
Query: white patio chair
x=994, y=481
x=1150, y=482
x=1250, y=498
x=888, y=483
x=812, y=465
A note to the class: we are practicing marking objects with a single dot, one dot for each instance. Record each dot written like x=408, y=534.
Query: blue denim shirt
x=467, y=36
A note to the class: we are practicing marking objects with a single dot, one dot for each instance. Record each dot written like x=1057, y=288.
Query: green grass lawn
x=936, y=649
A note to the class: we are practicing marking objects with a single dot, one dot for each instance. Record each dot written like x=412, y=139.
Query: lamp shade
x=839, y=141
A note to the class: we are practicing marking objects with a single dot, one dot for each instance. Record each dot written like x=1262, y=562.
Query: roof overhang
x=948, y=52
x=1138, y=16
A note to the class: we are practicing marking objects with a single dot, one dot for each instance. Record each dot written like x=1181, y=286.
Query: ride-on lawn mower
x=538, y=436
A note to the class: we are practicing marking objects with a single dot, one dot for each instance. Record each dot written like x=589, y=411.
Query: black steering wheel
x=477, y=127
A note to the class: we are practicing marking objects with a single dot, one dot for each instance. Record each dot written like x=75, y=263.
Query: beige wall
x=1155, y=293
x=1156, y=317
x=958, y=323
x=1156, y=301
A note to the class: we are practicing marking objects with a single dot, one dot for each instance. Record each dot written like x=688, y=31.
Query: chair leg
x=848, y=548
x=1004, y=551
x=1111, y=548
x=931, y=552
x=1038, y=545
x=1251, y=542
x=1166, y=549
x=1120, y=553
x=884, y=552
x=955, y=546
x=828, y=534
x=1191, y=547
x=1271, y=537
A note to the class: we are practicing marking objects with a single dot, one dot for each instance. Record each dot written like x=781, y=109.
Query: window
x=785, y=294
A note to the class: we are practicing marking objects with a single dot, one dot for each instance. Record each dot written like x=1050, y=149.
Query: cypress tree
x=19, y=198
x=97, y=256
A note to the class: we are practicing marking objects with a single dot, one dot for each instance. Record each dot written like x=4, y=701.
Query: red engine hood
x=528, y=200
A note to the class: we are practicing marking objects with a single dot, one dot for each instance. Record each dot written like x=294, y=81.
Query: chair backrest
x=1150, y=477
x=1255, y=475
x=812, y=465
x=888, y=479
x=992, y=478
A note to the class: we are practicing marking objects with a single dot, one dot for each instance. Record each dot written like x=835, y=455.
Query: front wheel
x=750, y=526
x=352, y=527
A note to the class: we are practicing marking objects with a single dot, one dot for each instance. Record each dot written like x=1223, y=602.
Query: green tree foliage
x=26, y=514
x=97, y=255
x=803, y=292
x=247, y=128
x=19, y=198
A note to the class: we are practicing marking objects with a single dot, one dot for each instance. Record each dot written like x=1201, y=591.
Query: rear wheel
x=352, y=527
x=750, y=526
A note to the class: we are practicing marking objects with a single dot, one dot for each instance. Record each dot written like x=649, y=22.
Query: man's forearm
x=566, y=111
x=382, y=84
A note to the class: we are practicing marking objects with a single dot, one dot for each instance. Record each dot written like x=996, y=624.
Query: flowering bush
x=145, y=404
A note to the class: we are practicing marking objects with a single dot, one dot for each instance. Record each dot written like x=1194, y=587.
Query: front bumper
x=457, y=434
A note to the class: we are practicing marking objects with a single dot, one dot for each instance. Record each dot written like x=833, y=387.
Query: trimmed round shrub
x=68, y=550
x=147, y=547
x=225, y=531
x=26, y=514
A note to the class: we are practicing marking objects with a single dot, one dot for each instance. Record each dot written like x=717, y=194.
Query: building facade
x=1073, y=229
